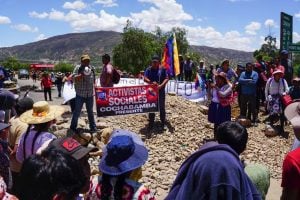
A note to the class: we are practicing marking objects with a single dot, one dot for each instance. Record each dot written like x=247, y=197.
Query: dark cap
x=284, y=52
x=25, y=104
x=155, y=58
x=71, y=147
x=240, y=66
x=4, y=126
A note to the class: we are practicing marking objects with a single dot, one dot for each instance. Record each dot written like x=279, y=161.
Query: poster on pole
x=286, y=30
x=112, y=101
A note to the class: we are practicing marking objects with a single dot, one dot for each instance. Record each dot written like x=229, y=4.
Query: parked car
x=23, y=73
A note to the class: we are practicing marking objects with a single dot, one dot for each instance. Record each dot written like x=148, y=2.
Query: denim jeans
x=79, y=101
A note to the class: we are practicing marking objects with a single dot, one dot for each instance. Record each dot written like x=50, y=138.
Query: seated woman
x=40, y=119
x=124, y=153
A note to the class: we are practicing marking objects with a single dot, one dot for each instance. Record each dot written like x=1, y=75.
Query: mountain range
x=70, y=47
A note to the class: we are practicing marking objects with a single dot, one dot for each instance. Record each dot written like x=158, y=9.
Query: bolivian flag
x=170, y=58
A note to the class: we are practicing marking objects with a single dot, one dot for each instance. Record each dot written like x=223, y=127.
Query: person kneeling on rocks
x=124, y=153
x=215, y=170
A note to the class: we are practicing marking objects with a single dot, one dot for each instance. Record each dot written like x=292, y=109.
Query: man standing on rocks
x=107, y=72
x=84, y=78
x=188, y=67
x=247, y=82
x=157, y=75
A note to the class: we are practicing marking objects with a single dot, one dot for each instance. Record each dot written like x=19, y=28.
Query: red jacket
x=46, y=82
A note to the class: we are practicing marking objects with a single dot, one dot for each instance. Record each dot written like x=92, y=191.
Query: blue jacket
x=213, y=172
x=248, y=82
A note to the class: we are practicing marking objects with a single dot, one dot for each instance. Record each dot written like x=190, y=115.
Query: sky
x=233, y=24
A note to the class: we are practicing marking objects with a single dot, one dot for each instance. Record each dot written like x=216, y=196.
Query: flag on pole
x=170, y=58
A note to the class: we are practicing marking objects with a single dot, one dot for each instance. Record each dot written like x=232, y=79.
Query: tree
x=63, y=67
x=137, y=47
x=268, y=50
x=135, y=50
x=11, y=63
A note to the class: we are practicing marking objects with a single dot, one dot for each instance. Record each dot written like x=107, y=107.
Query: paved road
x=39, y=96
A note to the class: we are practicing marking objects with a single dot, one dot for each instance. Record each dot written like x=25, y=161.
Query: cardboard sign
x=112, y=101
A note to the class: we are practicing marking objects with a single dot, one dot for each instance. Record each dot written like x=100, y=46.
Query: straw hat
x=85, y=57
x=42, y=112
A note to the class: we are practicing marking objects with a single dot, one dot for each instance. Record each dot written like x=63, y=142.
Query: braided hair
x=106, y=187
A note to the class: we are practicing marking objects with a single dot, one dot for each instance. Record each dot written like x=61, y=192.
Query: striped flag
x=170, y=58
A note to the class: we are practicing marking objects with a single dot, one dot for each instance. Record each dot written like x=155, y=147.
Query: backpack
x=115, y=76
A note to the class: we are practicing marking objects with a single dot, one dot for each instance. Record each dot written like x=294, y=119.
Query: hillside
x=69, y=47
x=216, y=55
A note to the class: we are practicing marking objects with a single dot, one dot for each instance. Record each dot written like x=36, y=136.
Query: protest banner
x=112, y=101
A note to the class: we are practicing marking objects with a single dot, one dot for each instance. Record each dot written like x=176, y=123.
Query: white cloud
x=163, y=13
x=296, y=37
x=76, y=5
x=56, y=15
x=166, y=14
x=106, y=3
x=252, y=28
x=40, y=37
x=25, y=28
x=297, y=15
x=4, y=20
x=270, y=23
x=34, y=14
x=211, y=37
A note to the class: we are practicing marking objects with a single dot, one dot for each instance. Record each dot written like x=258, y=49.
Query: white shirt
x=273, y=87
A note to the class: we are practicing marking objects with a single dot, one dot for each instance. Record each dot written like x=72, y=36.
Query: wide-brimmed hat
x=292, y=113
x=277, y=72
x=222, y=75
x=41, y=112
x=85, y=57
x=59, y=74
x=71, y=147
x=124, y=152
x=7, y=97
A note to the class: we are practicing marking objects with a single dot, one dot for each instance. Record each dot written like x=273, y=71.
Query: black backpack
x=116, y=76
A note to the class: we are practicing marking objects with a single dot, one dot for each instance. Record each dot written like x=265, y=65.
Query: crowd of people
x=35, y=164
